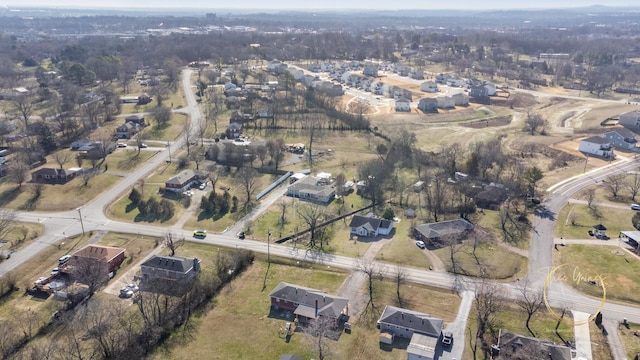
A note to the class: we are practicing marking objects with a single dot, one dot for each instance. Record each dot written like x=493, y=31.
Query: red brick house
x=98, y=258
x=53, y=176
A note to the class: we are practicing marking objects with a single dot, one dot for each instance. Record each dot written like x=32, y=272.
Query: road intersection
x=60, y=225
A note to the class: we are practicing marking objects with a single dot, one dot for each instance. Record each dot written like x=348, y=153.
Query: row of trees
x=216, y=206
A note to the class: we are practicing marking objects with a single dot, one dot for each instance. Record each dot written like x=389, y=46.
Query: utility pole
x=81, y=222
x=169, y=146
x=268, y=247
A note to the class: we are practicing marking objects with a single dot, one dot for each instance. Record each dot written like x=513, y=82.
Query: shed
x=386, y=338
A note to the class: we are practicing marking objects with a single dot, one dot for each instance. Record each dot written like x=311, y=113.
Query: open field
x=490, y=260
x=53, y=197
x=615, y=220
x=619, y=273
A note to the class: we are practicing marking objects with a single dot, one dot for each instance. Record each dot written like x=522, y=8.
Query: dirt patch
x=497, y=121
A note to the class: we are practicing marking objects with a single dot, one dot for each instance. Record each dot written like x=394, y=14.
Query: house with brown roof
x=369, y=225
x=104, y=259
x=53, y=175
x=185, y=180
x=439, y=231
x=309, y=304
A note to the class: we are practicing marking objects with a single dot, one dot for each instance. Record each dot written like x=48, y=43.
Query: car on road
x=143, y=146
x=64, y=259
x=122, y=145
x=635, y=207
x=421, y=244
x=240, y=235
x=447, y=338
x=200, y=233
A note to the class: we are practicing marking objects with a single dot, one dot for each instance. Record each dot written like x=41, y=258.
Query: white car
x=421, y=244
x=635, y=207
x=202, y=186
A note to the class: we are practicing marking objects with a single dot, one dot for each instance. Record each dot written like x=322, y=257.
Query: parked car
x=64, y=259
x=421, y=244
x=55, y=271
x=635, y=207
x=200, y=233
x=202, y=186
x=447, y=338
x=240, y=235
x=122, y=145
x=125, y=292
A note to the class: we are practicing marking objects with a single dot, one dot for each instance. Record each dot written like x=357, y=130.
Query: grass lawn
x=615, y=220
x=621, y=274
x=630, y=341
x=497, y=262
x=238, y=323
x=54, y=197
x=403, y=250
x=168, y=132
x=127, y=159
x=20, y=235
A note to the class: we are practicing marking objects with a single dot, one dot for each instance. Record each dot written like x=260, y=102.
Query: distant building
x=311, y=188
x=596, y=146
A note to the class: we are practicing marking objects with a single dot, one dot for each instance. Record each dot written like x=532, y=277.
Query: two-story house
x=622, y=138
x=169, y=270
x=309, y=304
x=596, y=146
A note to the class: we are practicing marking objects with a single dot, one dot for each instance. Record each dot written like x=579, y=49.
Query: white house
x=596, y=146
x=369, y=226
x=429, y=86
x=455, y=82
x=403, y=104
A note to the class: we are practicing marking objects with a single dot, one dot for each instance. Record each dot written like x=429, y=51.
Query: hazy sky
x=319, y=4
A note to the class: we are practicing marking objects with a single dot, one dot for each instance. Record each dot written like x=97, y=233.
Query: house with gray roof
x=623, y=139
x=405, y=323
x=428, y=104
x=630, y=119
x=369, y=225
x=437, y=232
x=596, y=146
x=311, y=188
x=172, y=269
x=308, y=304
x=515, y=346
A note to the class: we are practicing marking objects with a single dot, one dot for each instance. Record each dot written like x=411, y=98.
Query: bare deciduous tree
x=590, y=195
x=400, y=277
x=283, y=204
x=634, y=185
x=7, y=221
x=248, y=178
x=531, y=301
x=61, y=157
x=172, y=242
x=614, y=184
x=18, y=172
x=488, y=304
x=373, y=272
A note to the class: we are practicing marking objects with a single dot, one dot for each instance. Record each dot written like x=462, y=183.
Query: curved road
x=59, y=225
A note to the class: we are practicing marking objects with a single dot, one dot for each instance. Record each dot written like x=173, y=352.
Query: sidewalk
x=582, y=335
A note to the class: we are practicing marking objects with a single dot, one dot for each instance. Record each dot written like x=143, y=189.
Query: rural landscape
x=331, y=185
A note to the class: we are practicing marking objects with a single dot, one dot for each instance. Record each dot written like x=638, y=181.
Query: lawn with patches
x=21, y=234
x=167, y=132
x=615, y=220
x=127, y=159
x=54, y=197
x=491, y=260
x=403, y=250
x=621, y=274
x=630, y=339
x=241, y=312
